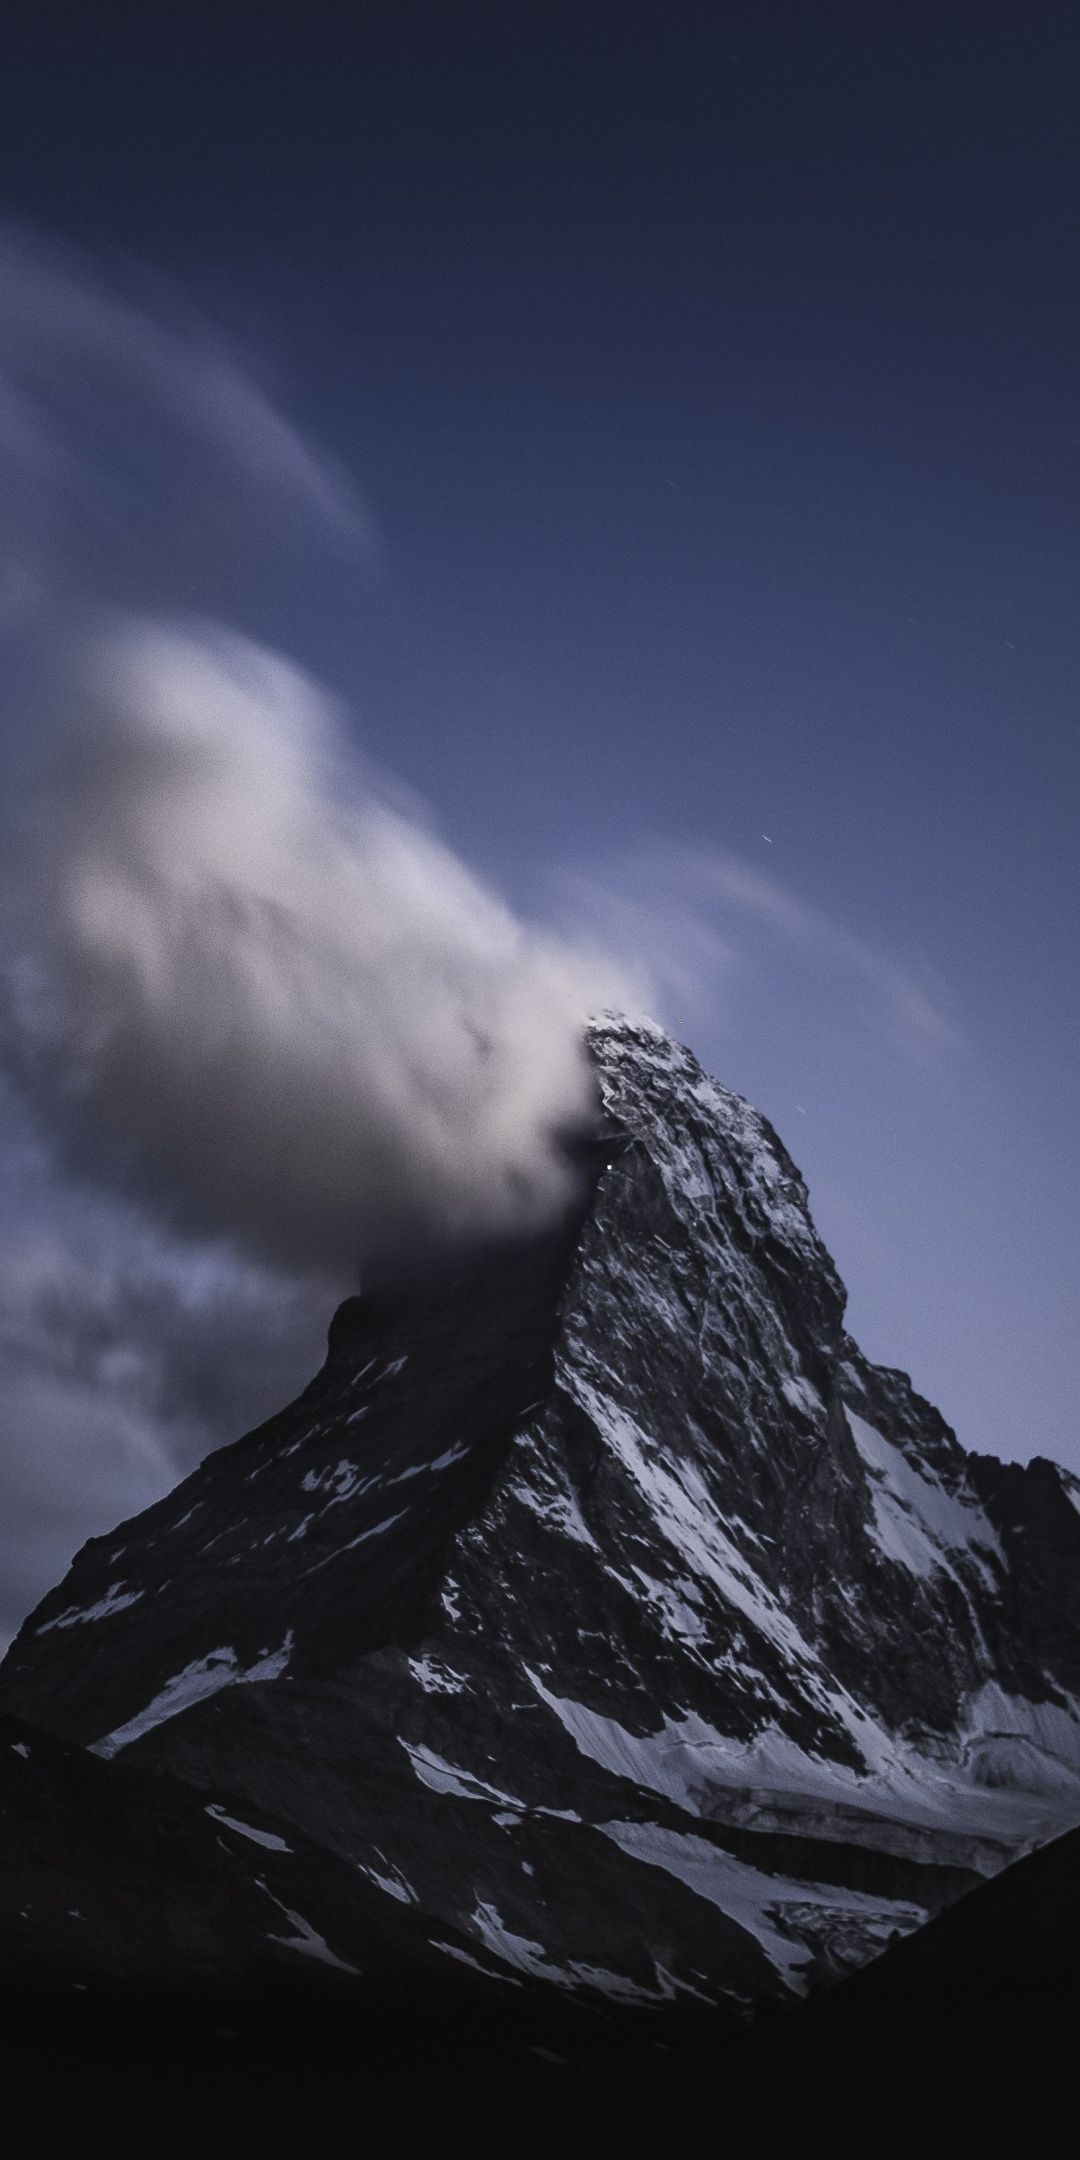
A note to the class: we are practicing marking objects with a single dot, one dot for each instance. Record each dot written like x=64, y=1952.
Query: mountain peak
x=601, y=1600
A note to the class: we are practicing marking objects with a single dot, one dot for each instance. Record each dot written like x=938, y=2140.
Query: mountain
x=598, y=1629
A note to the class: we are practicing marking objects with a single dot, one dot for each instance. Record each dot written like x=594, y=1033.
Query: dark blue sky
x=712, y=376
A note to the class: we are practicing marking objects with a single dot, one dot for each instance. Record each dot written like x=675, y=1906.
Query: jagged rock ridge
x=601, y=1605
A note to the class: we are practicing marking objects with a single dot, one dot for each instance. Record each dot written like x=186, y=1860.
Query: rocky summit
x=598, y=1625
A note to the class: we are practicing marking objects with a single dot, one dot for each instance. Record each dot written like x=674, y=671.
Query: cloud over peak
x=253, y=992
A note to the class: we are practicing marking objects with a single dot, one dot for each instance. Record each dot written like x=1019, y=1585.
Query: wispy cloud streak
x=677, y=919
x=913, y=1014
x=76, y=354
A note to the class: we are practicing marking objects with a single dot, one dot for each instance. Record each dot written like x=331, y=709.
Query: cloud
x=84, y=366
x=240, y=981
x=122, y=1361
x=683, y=914
x=249, y=991
x=912, y=1011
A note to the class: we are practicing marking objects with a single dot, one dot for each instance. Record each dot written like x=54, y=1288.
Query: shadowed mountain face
x=598, y=1623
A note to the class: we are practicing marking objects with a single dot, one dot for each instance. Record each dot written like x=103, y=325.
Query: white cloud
x=258, y=996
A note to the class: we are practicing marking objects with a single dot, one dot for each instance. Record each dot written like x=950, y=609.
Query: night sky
x=710, y=379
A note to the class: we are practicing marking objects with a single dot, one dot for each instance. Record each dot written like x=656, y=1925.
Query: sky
x=649, y=439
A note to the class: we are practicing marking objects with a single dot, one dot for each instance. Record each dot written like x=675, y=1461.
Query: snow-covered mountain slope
x=600, y=1604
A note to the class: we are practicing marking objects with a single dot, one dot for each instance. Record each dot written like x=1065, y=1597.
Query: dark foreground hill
x=960, y=2036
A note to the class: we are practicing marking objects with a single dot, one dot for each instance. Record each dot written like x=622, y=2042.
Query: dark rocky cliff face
x=600, y=1610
